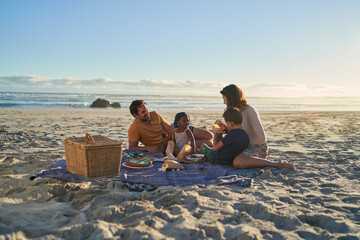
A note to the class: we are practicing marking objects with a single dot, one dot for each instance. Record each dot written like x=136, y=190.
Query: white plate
x=125, y=165
x=194, y=157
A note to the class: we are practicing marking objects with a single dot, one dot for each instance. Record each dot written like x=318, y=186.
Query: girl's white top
x=181, y=139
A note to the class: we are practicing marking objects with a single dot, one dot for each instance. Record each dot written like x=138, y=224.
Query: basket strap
x=90, y=138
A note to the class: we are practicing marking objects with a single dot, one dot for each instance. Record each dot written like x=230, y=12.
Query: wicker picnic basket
x=93, y=156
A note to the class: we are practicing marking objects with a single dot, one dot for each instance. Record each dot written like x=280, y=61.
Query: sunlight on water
x=167, y=102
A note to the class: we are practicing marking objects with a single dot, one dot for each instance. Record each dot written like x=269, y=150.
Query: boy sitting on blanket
x=225, y=149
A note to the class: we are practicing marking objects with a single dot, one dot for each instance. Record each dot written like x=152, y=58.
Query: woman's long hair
x=234, y=97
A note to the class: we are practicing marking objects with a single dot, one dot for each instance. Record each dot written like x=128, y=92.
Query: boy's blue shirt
x=235, y=142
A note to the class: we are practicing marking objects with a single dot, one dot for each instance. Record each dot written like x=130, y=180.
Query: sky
x=267, y=48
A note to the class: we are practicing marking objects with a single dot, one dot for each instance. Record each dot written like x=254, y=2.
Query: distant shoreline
x=29, y=100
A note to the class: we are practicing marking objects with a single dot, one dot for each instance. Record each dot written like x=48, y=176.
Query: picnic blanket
x=201, y=174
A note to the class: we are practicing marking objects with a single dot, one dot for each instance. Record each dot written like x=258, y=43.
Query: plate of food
x=194, y=158
x=137, y=160
x=135, y=167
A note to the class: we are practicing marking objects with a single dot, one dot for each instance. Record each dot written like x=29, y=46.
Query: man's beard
x=145, y=118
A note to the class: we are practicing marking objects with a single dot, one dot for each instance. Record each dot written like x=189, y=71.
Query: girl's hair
x=234, y=96
x=178, y=116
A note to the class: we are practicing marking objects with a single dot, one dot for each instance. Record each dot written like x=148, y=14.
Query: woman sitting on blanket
x=253, y=156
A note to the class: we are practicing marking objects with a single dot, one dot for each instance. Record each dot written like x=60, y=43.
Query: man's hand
x=166, y=137
x=152, y=149
x=134, y=145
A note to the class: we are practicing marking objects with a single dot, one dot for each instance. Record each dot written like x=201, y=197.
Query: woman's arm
x=254, y=121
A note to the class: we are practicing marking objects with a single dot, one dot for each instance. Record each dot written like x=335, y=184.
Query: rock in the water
x=100, y=103
x=115, y=105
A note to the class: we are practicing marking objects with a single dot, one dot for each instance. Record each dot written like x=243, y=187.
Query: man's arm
x=165, y=125
x=135, y=145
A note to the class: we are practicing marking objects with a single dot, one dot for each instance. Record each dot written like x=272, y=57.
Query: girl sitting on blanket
x=182, y=134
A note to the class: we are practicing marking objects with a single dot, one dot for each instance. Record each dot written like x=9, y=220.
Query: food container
x=186, y=150
x=216, y=128
x=93, y=156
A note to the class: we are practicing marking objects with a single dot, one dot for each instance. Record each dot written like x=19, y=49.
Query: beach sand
x=320, y=201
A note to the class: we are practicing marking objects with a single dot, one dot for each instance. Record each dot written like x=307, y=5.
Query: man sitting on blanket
x=149, y=128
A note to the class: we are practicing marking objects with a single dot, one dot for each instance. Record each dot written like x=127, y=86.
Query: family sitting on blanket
x=153, y=131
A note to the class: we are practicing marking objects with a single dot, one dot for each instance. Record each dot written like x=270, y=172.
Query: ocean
x=175, y=102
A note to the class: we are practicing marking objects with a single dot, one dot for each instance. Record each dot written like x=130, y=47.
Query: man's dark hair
x=135, y=105
x=232, y=115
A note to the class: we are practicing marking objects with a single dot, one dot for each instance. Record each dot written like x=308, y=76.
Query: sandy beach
x=320, y=201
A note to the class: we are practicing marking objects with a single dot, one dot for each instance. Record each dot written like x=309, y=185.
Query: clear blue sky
x=115, y=45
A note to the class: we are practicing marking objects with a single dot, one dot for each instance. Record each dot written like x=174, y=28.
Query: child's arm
x=217, y=141
x=192, y=139
x=217, y=146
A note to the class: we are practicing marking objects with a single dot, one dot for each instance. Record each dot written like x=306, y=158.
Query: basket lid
x=98, y=141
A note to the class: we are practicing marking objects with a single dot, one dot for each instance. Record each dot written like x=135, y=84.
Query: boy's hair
x=135, y=105
x=232, y=114
x=178, y=116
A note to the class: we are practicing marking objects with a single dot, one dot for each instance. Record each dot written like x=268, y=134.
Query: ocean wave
x=170, y=102
x=5, y=105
